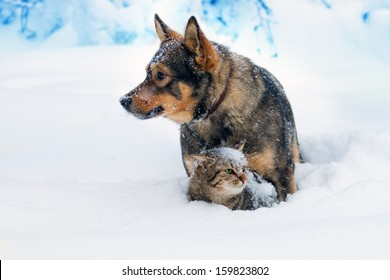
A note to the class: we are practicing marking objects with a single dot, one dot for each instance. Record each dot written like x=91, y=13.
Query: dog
x=219, y=98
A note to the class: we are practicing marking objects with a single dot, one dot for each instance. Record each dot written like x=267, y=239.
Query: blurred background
x=253, y=24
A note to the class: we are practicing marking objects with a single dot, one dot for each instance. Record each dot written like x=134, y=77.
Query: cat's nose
x=243, y=179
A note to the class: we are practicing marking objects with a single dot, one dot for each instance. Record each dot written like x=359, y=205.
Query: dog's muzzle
x=125, y=102
x=154, y=112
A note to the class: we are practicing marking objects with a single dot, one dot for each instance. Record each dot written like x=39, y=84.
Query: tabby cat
x=221, y=176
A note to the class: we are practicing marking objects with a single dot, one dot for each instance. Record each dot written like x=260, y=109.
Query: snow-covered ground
x=79, y=178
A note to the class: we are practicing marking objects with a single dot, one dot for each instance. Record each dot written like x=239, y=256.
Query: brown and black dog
x=219, y=98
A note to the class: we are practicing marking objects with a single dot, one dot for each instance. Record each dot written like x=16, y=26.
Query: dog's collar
x=221, y=98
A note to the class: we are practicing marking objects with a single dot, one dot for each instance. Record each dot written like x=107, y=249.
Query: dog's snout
x=125, y=101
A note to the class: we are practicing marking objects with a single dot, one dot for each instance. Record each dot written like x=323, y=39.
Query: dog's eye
x=160, y=76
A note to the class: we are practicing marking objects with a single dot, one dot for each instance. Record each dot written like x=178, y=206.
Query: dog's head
x=176, y=75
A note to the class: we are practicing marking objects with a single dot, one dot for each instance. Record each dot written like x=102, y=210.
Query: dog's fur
x=219, y=98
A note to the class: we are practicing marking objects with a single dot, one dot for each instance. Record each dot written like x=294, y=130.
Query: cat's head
x=219, y=174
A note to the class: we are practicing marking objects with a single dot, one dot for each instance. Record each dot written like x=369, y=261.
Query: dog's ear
x=198, y=44
x=164, y=32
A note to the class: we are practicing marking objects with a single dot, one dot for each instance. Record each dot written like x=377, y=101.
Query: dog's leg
x=283, y=178
x=189, y=164
x=190, y=145
x=296, y=154
x=284, y=181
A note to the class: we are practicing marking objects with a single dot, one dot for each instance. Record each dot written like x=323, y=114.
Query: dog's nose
x=125, y=101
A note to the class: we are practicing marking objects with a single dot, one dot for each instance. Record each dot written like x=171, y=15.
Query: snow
x=81, y=179
x=229, y=154
x=263, y=193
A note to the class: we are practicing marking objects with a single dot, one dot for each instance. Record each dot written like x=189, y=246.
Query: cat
x=221, y=176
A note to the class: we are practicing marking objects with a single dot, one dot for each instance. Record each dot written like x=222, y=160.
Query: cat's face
x=229, y=178
x=221, y=173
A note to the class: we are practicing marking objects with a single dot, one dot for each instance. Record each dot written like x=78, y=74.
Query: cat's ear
x=240, y=146
x=201, y=159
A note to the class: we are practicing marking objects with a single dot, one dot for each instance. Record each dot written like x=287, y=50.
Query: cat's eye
x=229, y=171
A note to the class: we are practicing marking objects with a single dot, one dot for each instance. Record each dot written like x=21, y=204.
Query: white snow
x=231, y=154
x=263, y=191
x=81, y=179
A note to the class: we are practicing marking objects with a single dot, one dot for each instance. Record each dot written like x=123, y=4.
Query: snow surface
x=81, y=179
x=263, y=193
